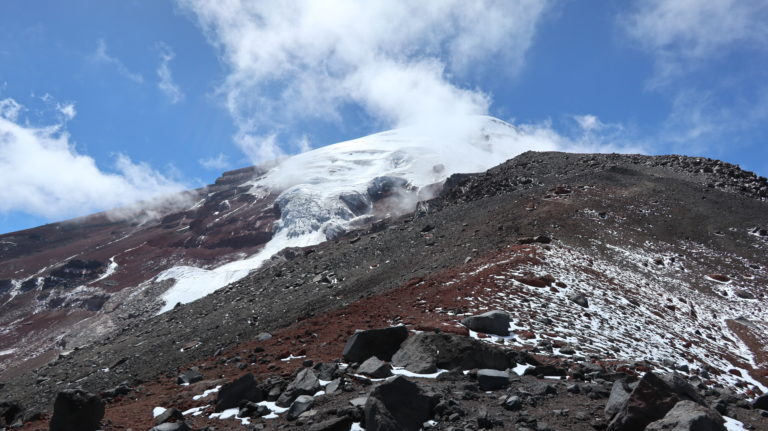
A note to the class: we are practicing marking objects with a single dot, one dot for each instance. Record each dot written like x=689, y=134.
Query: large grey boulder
x=427, y=351
x=398, y=405
x=172, y=426
x=382, y=343
x=619, y=396
x=490, y=380
x=374, y=367
x=300, y=405
x=493, y=322
x=76, y=410
x=689, y=416
x=305, y=383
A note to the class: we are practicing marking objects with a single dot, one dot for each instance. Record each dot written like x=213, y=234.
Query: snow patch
x=157, y=411
x=206, y=393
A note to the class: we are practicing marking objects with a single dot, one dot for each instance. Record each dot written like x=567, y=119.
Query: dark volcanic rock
x=579, y=299
x=242, y=389
x=301, y=404
x=649, y=401
x=305, y=383
x=681, y=387
x=398, y=405
x=490, y=380
x=761, y=402
x=76, y=410
x=343, y=423
x=417, y=354
x=11, y=413
x=619, y=396
x=374, y=367
x=449, y=352
x=190, y=376
x=689, y=416
x=382, y=343
x=493, y=322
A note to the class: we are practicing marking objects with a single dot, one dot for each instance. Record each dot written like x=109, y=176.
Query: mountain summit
x=576, y=283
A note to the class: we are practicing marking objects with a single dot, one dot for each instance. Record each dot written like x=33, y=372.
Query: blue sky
x=106, y=102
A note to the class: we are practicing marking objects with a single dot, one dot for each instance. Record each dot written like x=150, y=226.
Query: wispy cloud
x=217, y=163
x=691, y=40
x=683, y=33
x=46, y=175
x=165, y=83
x=398, y=61
x=101, y=56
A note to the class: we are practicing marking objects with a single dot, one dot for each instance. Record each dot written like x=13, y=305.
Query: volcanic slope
x=624, y=259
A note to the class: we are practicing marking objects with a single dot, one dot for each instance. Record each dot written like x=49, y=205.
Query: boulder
x=681, y=387
x=190, y=376
x=374, y=367
x=11, y=413
x=490, y=380
x=417, y=354
x=382, y=343
x=761, y=402
x=305, y=383
x=76, y=410
x=398, y=405
x=327, y=370
x=333, y=386
x=579, y=299
x=121, y=389
x=648, y=402
x=253, y=410
x=493, y=322
x=242, y=389
x=619, y=396
x=449, y=351
x=169, y=415
x=343, y=423
x=172, y=426
x=301, y=404
x=689, y=416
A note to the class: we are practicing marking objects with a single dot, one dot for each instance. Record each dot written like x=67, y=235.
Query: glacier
x=326, y=190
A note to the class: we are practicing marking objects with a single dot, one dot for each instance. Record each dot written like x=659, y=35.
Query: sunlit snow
x=313, y=183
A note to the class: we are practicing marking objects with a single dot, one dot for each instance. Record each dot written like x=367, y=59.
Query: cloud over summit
x=398, y=61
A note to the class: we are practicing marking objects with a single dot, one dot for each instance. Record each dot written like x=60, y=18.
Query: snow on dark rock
x=169, y=415
x=493, y=322
x=172, y=426
x=382, y=343
x=75, y=409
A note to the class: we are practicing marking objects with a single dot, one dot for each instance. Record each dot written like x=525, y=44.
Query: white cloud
x=101, y=56
x=217, y=163
x=398, y=60
x=43, y=174
x=166, y=84
x=681, y=33
x=67, y=110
